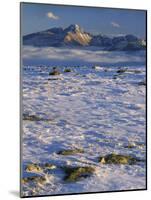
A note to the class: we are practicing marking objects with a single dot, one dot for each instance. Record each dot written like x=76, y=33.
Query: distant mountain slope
x=74, y=35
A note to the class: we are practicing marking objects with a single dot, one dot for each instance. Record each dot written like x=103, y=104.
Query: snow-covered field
x=100, y=110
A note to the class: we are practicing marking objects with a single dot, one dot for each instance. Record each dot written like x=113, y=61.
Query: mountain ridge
x=74, y=35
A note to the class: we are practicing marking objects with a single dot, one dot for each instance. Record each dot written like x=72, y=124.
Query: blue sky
x=37, y=17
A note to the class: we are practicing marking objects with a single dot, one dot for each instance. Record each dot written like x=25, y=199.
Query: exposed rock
x=67, y=70
x=121, y=70
x=34, y=168
x=70, y=152
x=35, y=179
x=130, y=146
x=76, y=173
x=54, y=72
x=31, y=117
x=34, y=118
x=118, y=159
x=49, y=166
x=53, y=79
x=74, y=35
x=24, y=180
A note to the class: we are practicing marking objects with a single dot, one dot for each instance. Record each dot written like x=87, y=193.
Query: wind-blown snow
x=97, y=110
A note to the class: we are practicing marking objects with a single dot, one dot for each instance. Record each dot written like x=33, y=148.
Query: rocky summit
x=75, y=36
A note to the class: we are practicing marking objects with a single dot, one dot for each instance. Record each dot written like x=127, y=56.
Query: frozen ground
x=95, y=109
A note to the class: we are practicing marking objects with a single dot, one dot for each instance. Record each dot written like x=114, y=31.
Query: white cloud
x=52, y=16
x=115, y=24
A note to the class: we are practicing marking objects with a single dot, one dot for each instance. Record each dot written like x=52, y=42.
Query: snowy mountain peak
x=74, y=35
x=73, y=28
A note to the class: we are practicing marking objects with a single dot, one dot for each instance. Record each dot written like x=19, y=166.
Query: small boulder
x=117, y=159
x=67, y=70
x=34, y=168
x=34, y=118
x=130, y=146
x=49, y=166
x=121, y=70
x=31, y=117
x=70, y=152
x=54, y=72
x=35, y=179
x=76, y=173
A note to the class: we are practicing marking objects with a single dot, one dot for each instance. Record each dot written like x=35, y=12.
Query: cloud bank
x=79, y=55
